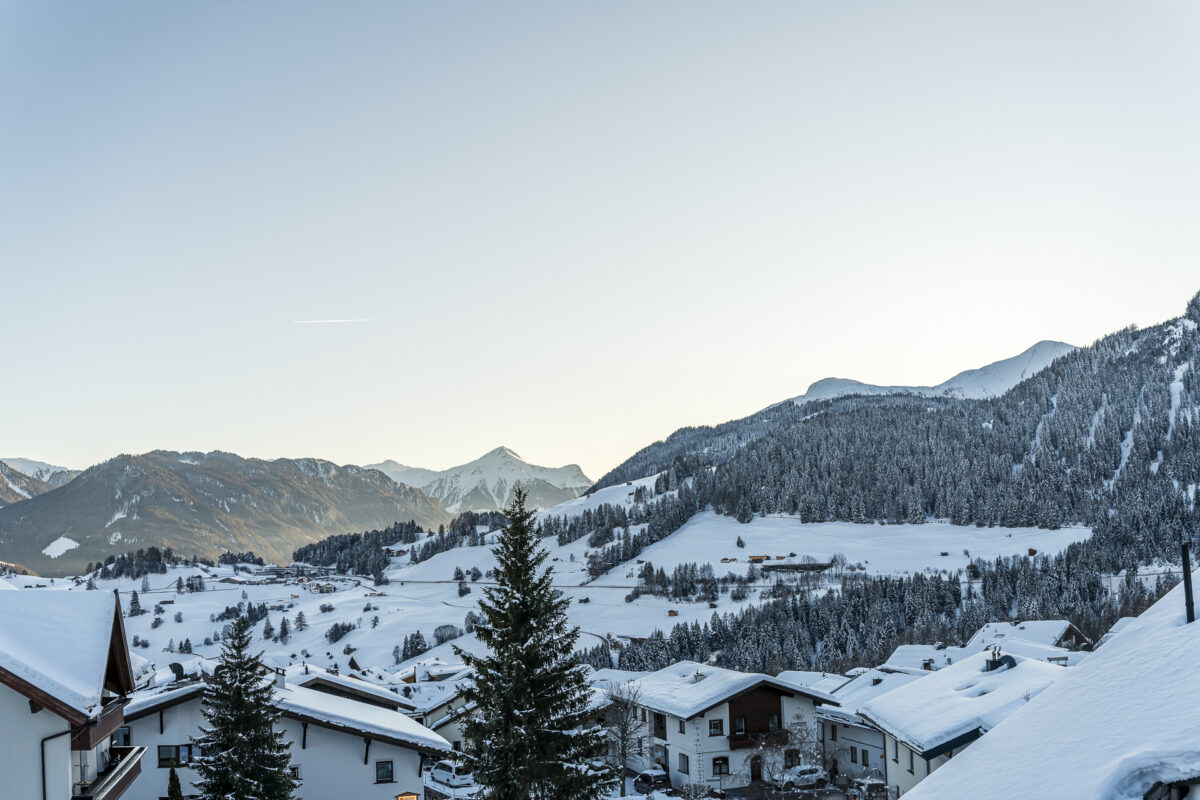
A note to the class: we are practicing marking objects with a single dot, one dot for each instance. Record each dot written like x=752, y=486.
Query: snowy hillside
x=988, y=381
x=486, y=483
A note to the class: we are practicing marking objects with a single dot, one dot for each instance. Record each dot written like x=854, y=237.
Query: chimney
x=1189, y=605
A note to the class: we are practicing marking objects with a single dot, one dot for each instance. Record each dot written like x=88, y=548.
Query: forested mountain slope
x=204, y=504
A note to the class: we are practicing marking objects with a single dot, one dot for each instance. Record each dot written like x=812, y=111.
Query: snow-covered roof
x=58, y=642
x=303, y=675
x=827, y=682
x=961, y=700
x=340, y=712
x=1126, y=718
x=914, y=656
x=688, y=688
x=319, y=707
x=610, y=679
x=870, y=684
x=1041, y=631
x=427, y=696
x=1116, y=628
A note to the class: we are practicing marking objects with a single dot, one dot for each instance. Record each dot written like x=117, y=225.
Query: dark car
x=651, y=779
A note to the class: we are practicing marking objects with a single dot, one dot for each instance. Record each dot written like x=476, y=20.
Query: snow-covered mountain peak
x=991, y=380
x=486, y=483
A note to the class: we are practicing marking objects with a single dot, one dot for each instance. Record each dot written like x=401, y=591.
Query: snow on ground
x=882, y=549
x=424, y=596
x=59, y=546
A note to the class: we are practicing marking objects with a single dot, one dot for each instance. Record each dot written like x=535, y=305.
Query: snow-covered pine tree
x=243, y=755
x=135, y=606
x=529, y=693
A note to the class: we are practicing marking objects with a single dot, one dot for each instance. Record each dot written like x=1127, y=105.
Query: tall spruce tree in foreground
x=244, y=758
x=529, y=691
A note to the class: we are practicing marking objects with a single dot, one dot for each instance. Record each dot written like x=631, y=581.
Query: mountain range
x=202, y=503
x=486, y=484
x=992, y=380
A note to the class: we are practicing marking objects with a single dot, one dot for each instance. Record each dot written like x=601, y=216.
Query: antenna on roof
x=1189, y=605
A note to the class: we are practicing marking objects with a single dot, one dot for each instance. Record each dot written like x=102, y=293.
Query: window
x=295, y=770
x=865, y=758
x=853, y=755
x=681, y=728
x=720, y=766
x=383, y=772
x=772, y=723
x=739, y=726
x=896, y=751
x=910, y=760
x=457, y=746
x=120, y=737
x=833, y=732
x=643, y=715
x=684, y=765
x=791, y=758
x=174, y=755
x=716, y=727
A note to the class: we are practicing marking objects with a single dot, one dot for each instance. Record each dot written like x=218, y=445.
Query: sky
x=419, y=231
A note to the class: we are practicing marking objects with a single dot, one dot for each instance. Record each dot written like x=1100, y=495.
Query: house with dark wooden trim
x=64, y=678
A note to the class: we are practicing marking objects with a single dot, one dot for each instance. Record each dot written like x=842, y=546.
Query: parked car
x=867, y=789
x=801, y=776
x=450, y=774
x=651, y=779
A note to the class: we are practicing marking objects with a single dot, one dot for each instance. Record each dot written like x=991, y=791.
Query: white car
x=451, y=774
x=801, y=776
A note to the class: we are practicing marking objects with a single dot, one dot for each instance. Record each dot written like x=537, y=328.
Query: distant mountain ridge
x=203, y=503
x=718, y=443
x=992, y=380
x=16, y=486
x=486, y=484
x=50, y=474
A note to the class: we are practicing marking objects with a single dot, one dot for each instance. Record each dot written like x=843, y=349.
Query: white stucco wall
x=860, y=738
x=21, y=749
x=331, y=762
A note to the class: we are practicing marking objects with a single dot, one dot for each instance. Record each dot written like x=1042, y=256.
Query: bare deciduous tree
x=627, y=730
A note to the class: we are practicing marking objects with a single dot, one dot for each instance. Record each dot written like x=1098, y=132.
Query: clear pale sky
x=569, y=228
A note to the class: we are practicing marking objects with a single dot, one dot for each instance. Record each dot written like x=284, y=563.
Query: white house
x=64, y=674
x=340, y=746
x=709, y=726
x=1126, y=724
x=930, y=720
x=851, y=746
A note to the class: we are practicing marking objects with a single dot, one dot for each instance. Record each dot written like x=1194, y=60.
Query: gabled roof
x=688, y=689
x=959, y=702
x=340, y=713
x=316, y=677
x=309, y=705
x=828, y=682
x=1039, y=631
x=866, y=687
x=63, y=649
x=913, y=656
x=1126, y=718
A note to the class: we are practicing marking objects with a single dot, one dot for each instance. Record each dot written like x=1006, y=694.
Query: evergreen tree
x=301, y=622
x=244, y=756
x=174, y=790
x=284, y=632
x=529, y=693
x=135, y=606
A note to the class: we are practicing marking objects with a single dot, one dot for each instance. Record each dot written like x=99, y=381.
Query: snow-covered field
x=424, y=596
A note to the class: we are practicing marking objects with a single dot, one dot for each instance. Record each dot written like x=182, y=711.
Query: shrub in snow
x=326, y=608
x=338, y=630
x=444, y=633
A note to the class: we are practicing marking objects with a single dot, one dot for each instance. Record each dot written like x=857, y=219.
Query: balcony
x=744, y=741
x=125, y=764
x=111, y=717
